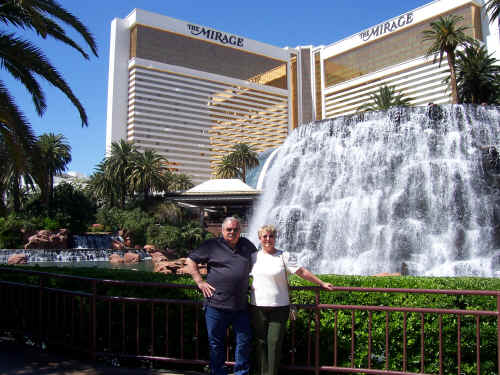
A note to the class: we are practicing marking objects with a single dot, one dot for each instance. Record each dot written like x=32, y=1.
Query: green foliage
x=128, y=175
x=27, y=63
x=337, y=320
x=165, y=236
x=71, y=209
x=385, y=98
x=236, y=163
x=11, y=236
x=183, y=239
x=445, y=35
x=413, y=322
x=478, y=76
x=134, y=222
x=492, y=8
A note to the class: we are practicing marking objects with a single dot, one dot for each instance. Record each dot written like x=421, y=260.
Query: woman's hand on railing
x=326, y=286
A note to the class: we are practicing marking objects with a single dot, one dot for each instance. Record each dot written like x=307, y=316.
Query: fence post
x=317, y=322
x=498, y=332
x=41, y=284
x=93, y=321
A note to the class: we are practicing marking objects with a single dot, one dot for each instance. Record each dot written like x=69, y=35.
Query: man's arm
x=192, y=269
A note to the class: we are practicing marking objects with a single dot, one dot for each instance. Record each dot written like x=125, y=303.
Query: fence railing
x=87, y=316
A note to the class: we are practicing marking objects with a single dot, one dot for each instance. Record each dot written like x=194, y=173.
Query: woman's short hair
x=269, y=228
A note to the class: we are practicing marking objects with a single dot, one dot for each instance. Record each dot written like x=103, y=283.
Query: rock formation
x=115, y=259
x=18, y=259
x=132, y=258
x=46, y=239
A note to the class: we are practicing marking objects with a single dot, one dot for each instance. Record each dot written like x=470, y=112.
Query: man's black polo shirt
x=227, y=271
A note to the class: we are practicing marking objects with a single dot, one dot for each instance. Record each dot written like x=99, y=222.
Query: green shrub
x=165, y=236
x=11, y=235
x=135, y=222
x=183, y=239
x=71, y=209
x=413, y=324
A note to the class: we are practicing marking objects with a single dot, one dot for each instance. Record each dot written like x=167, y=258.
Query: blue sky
x=281, y=23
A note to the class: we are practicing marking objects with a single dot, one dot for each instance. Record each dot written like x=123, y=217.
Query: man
x=226, y=294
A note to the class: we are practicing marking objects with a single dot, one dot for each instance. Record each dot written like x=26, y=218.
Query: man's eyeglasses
x=232, y=229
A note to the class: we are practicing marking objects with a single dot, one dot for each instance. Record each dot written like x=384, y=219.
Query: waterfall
x=86, y=248
x=376, y=192
x=68, y=255
x=94, y=241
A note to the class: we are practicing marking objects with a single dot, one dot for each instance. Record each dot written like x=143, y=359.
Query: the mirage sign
x=387, y=27
x=216, y=35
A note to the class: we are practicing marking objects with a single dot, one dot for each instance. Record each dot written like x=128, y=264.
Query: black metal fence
x=87, y=316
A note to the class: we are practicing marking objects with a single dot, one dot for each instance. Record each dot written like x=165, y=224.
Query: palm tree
x=118, y=167
x=242, y=157
x=227, y=169
x=149, y=173
x=17, y=142
x=384, y=99
x=445, y=35
x=478, y=75
x=54, y=157
x=101, y=186
x=492, y=7
x=15, y=177
x=25, y=62
x=180, y=182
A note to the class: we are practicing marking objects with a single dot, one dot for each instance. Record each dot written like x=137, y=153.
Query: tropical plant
x=236, y=163
x=164, y=237
x=25, y=62
x=134, y=222
x=73, y=208
x=17, y=143
x=15, y=174
x=385, y=98
x=182, y=239
x=169, y=213
x=478, y=75
x=226, y=169
x=100, y=186
x=192, y=235
x=180, y=182
x=445, y=36
x=492, y=8
x=118, y=167
x=54, y=155
x=149, y=173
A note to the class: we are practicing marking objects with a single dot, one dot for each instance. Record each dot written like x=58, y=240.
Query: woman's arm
x=309, y=276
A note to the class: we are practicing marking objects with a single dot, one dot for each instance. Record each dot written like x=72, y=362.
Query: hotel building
x=191, y=92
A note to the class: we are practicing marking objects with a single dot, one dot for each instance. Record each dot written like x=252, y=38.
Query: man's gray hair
x=231, y=218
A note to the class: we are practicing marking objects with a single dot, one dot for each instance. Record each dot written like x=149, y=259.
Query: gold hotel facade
x=191, y=92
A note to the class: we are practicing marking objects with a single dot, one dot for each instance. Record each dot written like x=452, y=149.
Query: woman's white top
x=269, y=286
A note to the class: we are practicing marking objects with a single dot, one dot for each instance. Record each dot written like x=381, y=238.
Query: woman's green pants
x=269, y=327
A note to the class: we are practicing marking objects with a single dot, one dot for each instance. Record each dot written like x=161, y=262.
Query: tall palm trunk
x=16, y=193
x=453, y=76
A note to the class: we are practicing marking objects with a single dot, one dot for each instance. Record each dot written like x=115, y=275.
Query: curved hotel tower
x=191, y=92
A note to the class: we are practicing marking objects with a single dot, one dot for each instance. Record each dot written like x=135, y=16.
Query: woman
x=270, y=304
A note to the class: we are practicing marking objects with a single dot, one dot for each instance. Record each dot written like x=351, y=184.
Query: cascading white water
x=368, y=193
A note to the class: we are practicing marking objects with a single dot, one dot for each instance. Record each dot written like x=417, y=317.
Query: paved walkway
x=16, y=359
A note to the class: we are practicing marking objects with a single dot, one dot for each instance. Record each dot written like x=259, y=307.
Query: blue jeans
x=218, y=320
